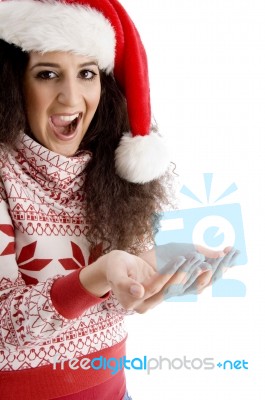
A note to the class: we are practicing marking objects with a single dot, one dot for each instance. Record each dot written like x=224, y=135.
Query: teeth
x=68, y=118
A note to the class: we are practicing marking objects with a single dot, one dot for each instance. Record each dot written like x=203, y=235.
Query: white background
x=207, y=75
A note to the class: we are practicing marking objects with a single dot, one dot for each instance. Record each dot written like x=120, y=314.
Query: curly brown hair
x=120, y=214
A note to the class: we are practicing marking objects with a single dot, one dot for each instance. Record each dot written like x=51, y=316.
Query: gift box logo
x=212, y=226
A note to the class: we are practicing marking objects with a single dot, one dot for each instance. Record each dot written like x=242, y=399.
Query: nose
x=69, y=93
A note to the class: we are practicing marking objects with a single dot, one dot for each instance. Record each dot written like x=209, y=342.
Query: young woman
x=82, y=179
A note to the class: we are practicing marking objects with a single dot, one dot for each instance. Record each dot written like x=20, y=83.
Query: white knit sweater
x=45, y=312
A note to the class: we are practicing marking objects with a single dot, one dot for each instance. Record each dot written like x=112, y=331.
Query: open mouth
x=65, y=125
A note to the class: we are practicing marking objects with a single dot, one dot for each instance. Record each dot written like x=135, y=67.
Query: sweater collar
x=54, y=168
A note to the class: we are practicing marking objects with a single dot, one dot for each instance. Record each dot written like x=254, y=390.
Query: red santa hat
x=104, y=30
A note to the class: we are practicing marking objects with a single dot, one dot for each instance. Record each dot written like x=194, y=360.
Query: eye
x=87, y=74
x=46, y=75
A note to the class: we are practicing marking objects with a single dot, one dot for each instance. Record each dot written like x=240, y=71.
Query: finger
x=204, y=279
x=209, y=253
x=228, y=261
x=170, y=290
x=217, y=275
x=230, y=258
x=174, y=285
x=219, y=265
x=136, y=290
x=215, y=262
x=187, y=272
x=203, y=267
x=178, y=269
x=151, y=302
x=200, y=283
x=154, y=284
x=185, y=276
x=126, y=289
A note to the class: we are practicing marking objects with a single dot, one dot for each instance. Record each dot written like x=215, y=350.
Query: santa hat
x=101, y=29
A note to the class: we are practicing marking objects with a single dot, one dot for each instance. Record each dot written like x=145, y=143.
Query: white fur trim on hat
x=141, y=159
x=55, y=26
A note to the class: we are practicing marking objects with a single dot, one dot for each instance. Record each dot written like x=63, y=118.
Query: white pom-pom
x=141, y=159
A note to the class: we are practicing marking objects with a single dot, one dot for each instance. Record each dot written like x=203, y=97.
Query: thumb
x=136, y=289
x=121, y=282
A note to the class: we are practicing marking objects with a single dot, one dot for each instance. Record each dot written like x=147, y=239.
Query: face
x=62, y=92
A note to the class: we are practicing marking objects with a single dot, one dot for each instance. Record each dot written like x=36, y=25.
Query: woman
x=80, y=192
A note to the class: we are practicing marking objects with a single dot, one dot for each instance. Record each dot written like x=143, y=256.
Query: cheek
x=94, y=97
x=36, y=107
x=34, y=102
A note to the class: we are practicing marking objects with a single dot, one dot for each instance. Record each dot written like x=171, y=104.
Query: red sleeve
x=70, y=298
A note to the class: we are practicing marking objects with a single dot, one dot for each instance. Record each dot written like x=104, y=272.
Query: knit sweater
x=46, y=314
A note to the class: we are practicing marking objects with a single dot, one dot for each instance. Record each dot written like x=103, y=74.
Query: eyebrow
x=54, y=65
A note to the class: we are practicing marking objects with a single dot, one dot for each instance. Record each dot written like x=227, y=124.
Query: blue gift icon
x=212, y=226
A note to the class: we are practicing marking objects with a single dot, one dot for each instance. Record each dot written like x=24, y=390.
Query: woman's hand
x=132, y=279
x=141, y=283
x=196, y=273
x=219, y=263
x=139, y=286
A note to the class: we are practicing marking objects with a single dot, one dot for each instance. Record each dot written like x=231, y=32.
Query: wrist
x=93, y=277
